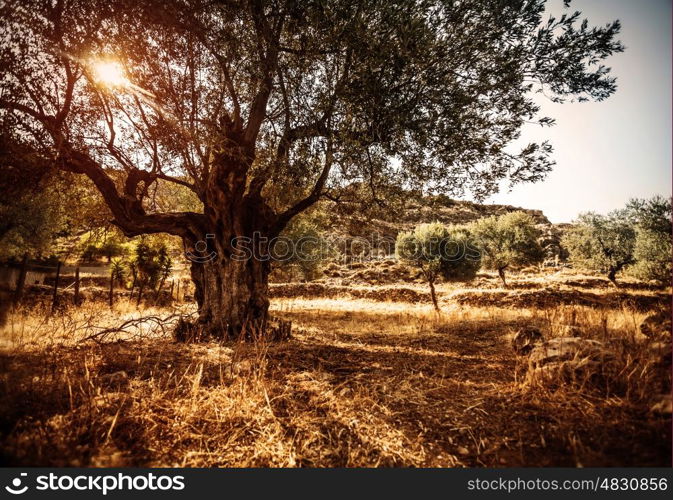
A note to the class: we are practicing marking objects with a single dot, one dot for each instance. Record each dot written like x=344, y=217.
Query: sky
x=611, y=151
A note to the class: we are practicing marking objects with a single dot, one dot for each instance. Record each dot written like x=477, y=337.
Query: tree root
x=273, y=330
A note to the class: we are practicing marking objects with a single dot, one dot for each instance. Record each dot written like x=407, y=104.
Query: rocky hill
x=379, y=226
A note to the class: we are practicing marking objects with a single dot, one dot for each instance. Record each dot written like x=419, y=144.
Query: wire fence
x=61, y=278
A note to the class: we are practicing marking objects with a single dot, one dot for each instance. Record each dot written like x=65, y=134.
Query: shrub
x=438, y=250
x=508, y=241
x=603, y=243
x=301, y=247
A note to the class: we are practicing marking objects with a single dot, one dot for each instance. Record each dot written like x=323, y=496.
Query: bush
x=508, y=241
x=438, y=250
x=307, y=247
x=637, y=238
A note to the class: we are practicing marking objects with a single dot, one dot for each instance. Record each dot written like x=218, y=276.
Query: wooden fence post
x=77, y=286
x=58, y=276
x=140, y=292
x=112, y=286
x=21, y=281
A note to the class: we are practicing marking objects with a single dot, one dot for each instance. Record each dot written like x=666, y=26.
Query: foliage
x=118, y=271
x=637, y=238
x=653, y=214
x=302, y=246
x=508, y=241
x=111, y=245
x=602, y=243
x=653, y=251
x=442, y=87
x=151, y=264
x=438, y=250
x=30, y=212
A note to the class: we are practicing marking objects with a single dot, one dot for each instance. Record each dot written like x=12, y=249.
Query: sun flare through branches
x=109, y=73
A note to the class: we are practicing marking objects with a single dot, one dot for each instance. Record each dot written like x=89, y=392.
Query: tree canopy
x=439, y=251
x=262, y=107
x=340, y=87
x=601, y=242
x=508, y=241
x=636, y=238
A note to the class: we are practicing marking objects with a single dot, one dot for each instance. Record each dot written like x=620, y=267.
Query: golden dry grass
x=362, y=383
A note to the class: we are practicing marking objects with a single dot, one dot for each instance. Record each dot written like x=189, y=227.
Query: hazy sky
x=610, y=151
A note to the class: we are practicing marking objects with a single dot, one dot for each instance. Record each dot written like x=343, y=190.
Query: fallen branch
x=155, y=323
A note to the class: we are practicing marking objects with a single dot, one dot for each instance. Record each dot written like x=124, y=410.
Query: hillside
x=378, y=225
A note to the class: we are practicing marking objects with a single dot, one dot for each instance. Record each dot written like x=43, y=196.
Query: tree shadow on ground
x=449, y=389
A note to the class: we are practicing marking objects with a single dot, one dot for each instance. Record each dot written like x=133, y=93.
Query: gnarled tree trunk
x=232, y=296
x=230, y=263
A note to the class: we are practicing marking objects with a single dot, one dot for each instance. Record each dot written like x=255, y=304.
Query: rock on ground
x=569, y=360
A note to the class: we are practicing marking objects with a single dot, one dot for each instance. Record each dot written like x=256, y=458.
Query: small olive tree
x=439, y=251
x=508, y=241
x=653, y=248
x=652, y=253
x=301, y=246
x=603, y=243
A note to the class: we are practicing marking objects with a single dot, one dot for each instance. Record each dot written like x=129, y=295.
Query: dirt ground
x=364, y=382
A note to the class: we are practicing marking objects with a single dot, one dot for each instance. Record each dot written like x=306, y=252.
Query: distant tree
x=603, y=243
x=30, y=213
x=150, y=266
x=508, y=241
x=262, y=107
x=110, y=245
x=301, y=246
x=439, y=251
x=653, y=254
x=653, y=251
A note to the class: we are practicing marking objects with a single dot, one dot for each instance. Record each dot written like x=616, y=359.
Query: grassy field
x=372, y=377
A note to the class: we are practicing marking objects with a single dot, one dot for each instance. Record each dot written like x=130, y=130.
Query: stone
x=662, y=406
x=657, y=326
x=569, y=359
x=568, y=349
x=525, y=339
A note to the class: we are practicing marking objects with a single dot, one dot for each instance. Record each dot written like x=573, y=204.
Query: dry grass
x=362, y=383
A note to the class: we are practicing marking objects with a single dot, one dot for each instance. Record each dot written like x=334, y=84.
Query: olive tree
x=262, y=107
x=439, y=251
x=508, y=241
x=301, y=246
x=603, y=243
x=653, y=250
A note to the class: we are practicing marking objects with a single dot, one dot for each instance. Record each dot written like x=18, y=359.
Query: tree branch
x=285, y=217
